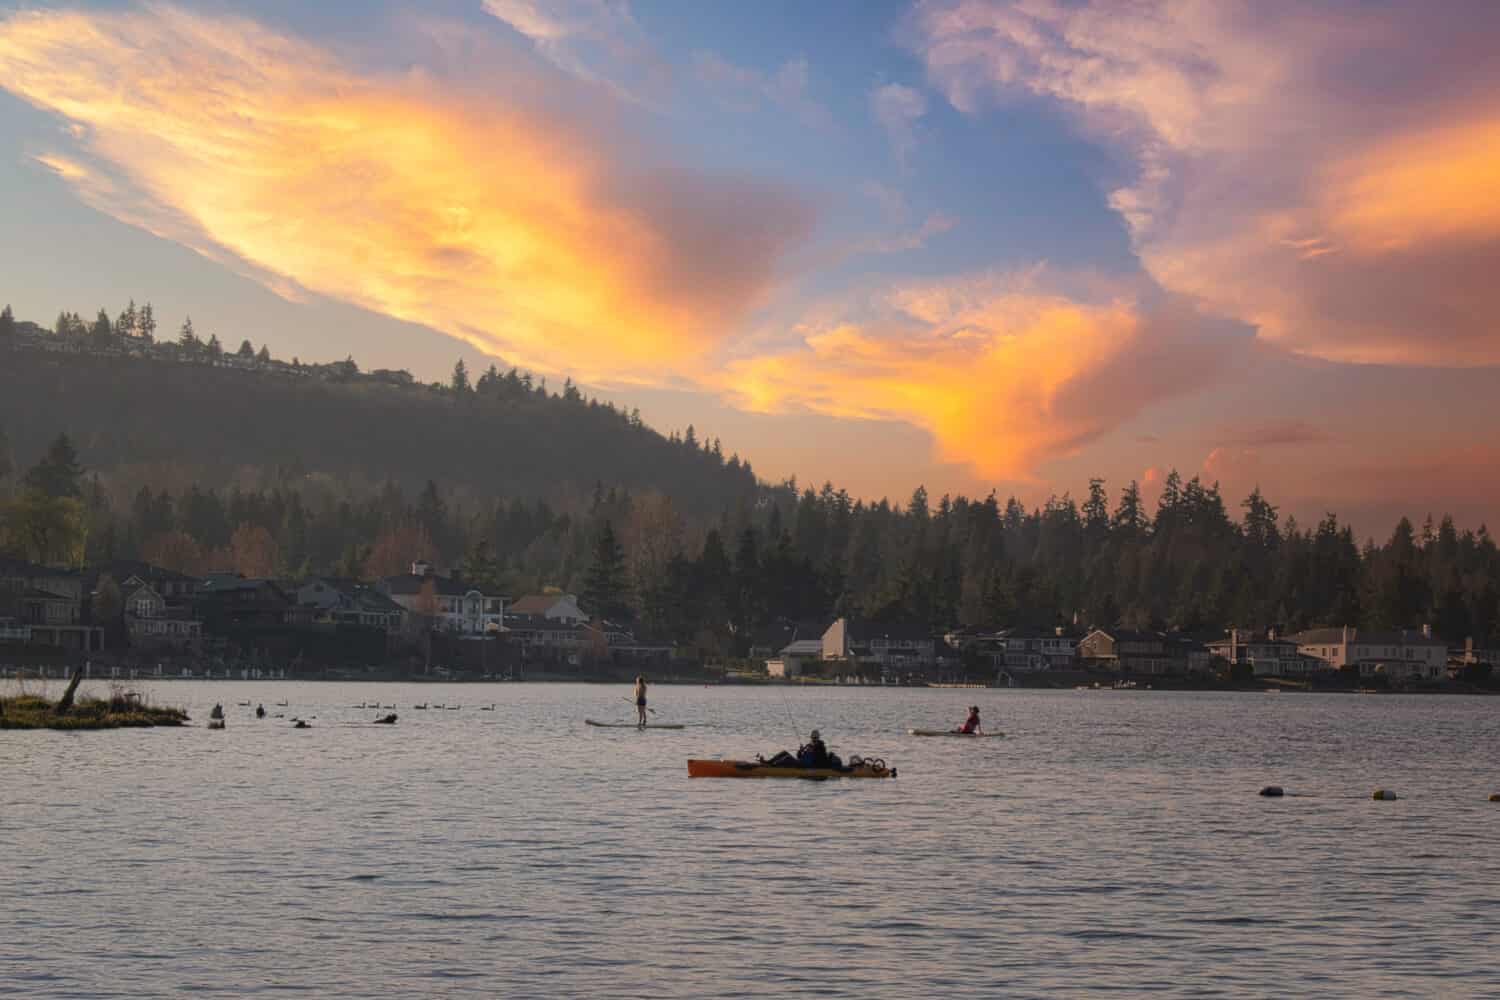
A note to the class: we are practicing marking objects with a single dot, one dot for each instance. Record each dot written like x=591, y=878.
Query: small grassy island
x=120, y=710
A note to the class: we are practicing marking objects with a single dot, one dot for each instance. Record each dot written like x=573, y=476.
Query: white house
x=1394, y=655
x=450, y=605
x=553, y=607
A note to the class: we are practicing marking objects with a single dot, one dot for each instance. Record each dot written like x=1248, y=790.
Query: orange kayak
x=755, y=769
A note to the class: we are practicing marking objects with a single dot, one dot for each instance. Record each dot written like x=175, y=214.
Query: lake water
x=1112, y=842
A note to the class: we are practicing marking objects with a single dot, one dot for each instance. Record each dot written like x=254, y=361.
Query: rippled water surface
x=1113, y=841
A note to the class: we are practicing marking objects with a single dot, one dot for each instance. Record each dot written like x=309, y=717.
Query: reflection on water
x=1112, y=841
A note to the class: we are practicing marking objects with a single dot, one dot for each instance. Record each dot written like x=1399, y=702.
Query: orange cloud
x=1003, y=376
x=1326, y=175
x=511, y=229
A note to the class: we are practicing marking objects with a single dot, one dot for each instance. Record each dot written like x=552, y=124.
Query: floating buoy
x=1272, y=792
x=1381, y=795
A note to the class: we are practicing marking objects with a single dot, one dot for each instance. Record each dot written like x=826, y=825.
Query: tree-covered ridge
x=710, y=581
x=188, y=411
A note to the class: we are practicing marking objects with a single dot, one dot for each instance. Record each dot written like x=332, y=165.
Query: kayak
x=635, y=725
x=950, y=732
x=754, y=769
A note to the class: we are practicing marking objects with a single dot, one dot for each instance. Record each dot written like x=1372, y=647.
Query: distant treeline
x=519, y=491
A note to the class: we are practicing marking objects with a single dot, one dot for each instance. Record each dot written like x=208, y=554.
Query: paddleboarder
x=971, y=726
x=640, y=701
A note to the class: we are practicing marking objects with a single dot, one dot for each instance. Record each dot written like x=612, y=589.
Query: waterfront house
x=1128, y=651
x=1266, y=655
x=1031, y=649
x=151, y=622
x=446, y=604
x=554, y=607
x=893, y=646
x=334, y=601
x=1397, y=656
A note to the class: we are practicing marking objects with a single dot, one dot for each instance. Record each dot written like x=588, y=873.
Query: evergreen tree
x=147, y=324
x=214, y=349
x=102, y=332
x=58, y=474
x=1096, y=511
x=1130, y=515
x=129, y=321
x=187, y=339
x=604, y=586
x=459, y=383
x=264, y=357
x=247, y=350
x=7, y=326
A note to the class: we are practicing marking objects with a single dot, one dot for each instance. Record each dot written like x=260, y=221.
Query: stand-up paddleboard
x=952, y=732
x=635, y=725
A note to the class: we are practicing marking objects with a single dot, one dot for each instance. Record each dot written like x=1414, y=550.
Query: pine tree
x=604, y=587
x=1096, y=510
x=147, y=324
x=187, y=339
x=7, y=326
x=214, y=349
x=264, y=357
x=58, y=474
x=459, y=383
x=247, y=350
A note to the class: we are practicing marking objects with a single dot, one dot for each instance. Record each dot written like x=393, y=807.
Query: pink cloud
x=1325, y=175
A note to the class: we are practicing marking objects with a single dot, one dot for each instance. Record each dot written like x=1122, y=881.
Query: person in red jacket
x=971, y=725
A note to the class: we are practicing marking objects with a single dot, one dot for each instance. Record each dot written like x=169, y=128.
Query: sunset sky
x=968, y=244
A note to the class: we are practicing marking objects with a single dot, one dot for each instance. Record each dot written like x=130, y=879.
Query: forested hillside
x=199, y=464
x=172, y=424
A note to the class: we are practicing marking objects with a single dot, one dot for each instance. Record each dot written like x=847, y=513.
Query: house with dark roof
x=890, y=645
x=1266, y=654
x=1128, y=651
x=151, y=621
x=447, y=603
x=1395, y=655
x=334, y=601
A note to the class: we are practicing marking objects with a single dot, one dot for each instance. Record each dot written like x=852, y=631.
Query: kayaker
x=971, y=725
x=640, y=701
x=260, y=711
x=218, y=712
x=813, y=753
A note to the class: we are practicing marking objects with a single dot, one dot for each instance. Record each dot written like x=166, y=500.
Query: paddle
x=648, y=707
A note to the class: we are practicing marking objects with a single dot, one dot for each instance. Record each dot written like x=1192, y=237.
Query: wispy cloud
x=743, y=89
x=1323, y=173
x=523, y=233
x=595, y=40
x=898, y=108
